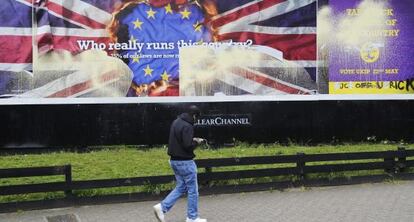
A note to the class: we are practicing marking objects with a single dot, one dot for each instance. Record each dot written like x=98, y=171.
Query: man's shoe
x=158, y=212
x=196, y=220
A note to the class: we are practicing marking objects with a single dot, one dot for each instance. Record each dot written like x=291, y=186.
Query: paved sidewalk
x=386, y=202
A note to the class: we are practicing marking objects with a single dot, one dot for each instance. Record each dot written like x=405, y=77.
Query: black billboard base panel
x=304, y=121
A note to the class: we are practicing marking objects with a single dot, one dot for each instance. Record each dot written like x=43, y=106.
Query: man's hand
x=199, y=140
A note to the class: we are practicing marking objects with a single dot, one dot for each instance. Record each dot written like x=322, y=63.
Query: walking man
x=181, y=145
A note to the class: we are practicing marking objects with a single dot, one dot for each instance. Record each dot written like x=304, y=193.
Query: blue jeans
x=186, y=182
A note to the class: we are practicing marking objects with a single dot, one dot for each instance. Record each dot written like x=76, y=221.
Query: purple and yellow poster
x=372, y=47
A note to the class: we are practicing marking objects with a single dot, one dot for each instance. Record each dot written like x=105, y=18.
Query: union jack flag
x=288, y=26
x=15, y=35
x=62, y=23
x=59, y=25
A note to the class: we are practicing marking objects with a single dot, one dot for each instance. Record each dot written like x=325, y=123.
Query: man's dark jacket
x=180, y=144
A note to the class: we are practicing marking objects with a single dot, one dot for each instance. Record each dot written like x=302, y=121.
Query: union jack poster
x=141, y=48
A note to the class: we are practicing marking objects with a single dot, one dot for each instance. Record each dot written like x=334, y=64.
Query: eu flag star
x=148, y=71
x=185, y=14
x=151, y=13
x=200, y=42
x=165, y=76
x=137, y=24
x=135, y=58
x=198, y=26
x=168, y=9
x=132, y=39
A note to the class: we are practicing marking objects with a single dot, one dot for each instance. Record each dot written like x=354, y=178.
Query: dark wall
x=299, y=121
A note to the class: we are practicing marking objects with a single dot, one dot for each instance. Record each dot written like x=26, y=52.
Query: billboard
x=153, y=48
x=204, y=48
x=372, y=48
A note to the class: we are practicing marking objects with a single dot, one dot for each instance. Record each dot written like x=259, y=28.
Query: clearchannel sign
x=224, y=120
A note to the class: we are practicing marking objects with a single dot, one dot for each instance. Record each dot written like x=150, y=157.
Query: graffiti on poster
x=372, y=49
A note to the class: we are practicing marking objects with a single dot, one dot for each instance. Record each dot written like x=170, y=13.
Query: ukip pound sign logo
x=370, y=52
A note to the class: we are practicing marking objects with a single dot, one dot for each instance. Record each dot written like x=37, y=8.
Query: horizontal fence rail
x=306, y=158
x=34, y=171
x=392, y=162
x=136, y=181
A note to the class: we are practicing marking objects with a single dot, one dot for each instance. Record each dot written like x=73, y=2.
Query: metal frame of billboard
x=200, y=99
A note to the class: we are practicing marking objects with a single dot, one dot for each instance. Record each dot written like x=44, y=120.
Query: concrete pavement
x=384, y=202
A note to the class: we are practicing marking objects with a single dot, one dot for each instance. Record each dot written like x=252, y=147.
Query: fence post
x=208, y=170
x=389, y=164
x=68, y=181
x=402, y=157
x=300, y=165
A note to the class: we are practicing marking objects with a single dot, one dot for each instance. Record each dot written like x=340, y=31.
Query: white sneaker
x=196, y=220
x=158, y=212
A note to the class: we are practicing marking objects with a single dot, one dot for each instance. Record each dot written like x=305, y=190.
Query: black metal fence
x=394, y=164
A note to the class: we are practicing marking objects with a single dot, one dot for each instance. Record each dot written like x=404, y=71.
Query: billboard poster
x=372, y=47
x=154, y=48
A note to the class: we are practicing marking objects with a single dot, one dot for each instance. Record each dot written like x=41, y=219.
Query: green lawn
x=128, y=161
x=124, y=161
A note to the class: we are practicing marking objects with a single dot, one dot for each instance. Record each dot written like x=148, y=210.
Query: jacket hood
x=186, y=117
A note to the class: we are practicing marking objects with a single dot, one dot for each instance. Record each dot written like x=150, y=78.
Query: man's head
x=194, y=111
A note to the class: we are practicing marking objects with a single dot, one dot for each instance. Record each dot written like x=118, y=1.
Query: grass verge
x=128, y=161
